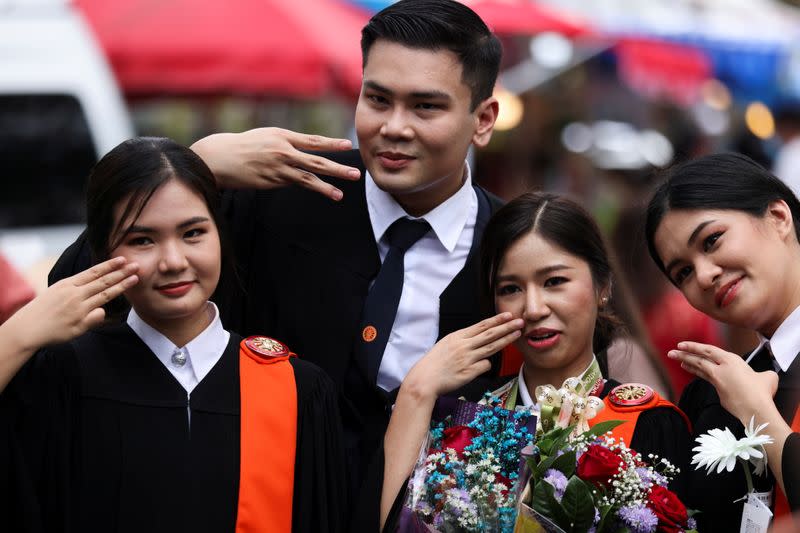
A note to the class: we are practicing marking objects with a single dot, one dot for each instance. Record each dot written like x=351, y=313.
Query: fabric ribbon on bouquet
x=574, y=403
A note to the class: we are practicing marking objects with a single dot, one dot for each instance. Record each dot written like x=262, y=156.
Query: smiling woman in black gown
x=725, y=232
x=161, y=421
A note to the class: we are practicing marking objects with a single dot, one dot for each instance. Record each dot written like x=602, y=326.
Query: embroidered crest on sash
x=266, y=347
x=630, y=394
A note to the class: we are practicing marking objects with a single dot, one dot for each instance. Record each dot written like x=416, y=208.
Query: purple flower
x=557, y=480
x=458, y=502
x=424, y=507
x=639, y=519
x=651, y=476
x=691, y=523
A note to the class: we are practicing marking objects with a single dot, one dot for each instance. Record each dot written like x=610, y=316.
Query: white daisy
x=719, y=448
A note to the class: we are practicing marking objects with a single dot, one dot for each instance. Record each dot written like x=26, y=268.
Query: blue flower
x=639, y=519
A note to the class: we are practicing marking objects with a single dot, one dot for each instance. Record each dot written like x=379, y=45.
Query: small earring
x=603, y=301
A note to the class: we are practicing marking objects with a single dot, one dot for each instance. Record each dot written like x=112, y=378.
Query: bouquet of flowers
x=593, y=483
x=468, y=474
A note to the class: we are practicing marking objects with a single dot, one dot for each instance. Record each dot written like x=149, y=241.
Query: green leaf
x=566, y=463
x=545, y=465
x=605, y=513
x=561, y=440
x=601, y=427
x=552, y=440
x=545, y=503
x=545, y=446
x=578, y=504
x=533, y=465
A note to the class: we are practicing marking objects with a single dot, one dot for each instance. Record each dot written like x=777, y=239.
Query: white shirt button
x=178, y=358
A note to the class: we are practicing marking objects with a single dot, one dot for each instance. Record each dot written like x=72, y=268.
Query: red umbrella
x=296, y=48
x=527, y=18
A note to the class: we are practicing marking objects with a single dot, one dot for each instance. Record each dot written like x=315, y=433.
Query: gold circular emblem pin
x=631, y=394
x=369, y=333
x=266, y=347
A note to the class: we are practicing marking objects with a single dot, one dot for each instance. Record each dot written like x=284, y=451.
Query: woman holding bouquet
x=725, y=232
x=163, y=420
x=546, y=271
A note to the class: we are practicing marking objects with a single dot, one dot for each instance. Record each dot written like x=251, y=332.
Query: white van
x=60, y=110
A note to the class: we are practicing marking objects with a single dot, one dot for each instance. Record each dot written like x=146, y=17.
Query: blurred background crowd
x=595, y=95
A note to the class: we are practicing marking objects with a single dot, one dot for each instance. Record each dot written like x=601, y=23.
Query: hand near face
x=267, y=158
x=462, y=356
x=70, y=307
x=731, y=376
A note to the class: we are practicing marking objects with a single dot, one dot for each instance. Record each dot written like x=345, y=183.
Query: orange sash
x=781, y=502
x=268, y=442
x=630, y=415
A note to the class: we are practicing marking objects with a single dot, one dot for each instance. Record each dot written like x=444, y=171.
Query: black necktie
x=762, y=360
x=380, y=307
x=788, y=393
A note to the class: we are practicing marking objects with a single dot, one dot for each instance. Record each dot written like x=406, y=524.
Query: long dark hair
x=719, y=181
x=131, y=173
x=564, y=223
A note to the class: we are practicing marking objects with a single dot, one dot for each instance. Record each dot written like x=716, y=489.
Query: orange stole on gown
x=629, y=414
x=268, y=431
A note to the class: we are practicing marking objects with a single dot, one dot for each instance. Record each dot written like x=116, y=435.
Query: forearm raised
x=407, y=430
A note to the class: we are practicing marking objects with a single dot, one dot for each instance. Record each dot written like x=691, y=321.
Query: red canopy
x=663, y=69
x=297, y=48
x=527, y=18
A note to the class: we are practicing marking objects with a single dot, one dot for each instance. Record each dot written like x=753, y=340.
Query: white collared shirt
x=785, y=342
x=202, y=352
x=524, y=394
x=430, y=265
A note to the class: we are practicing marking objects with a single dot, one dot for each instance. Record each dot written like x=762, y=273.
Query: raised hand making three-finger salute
x=62, y=312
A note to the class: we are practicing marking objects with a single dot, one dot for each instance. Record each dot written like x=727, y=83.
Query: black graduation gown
x=95, y=435
x=791, y=470
x=661, y=431
x=713, y=494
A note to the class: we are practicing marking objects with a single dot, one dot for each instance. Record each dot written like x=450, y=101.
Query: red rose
x=669, y=509
x=458, y=438
x=500, y=478
x=597, y=464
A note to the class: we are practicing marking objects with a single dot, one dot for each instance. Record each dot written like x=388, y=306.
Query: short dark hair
x=441, y=24
x=131, y=173
x=718, y=181
x=563, y=223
